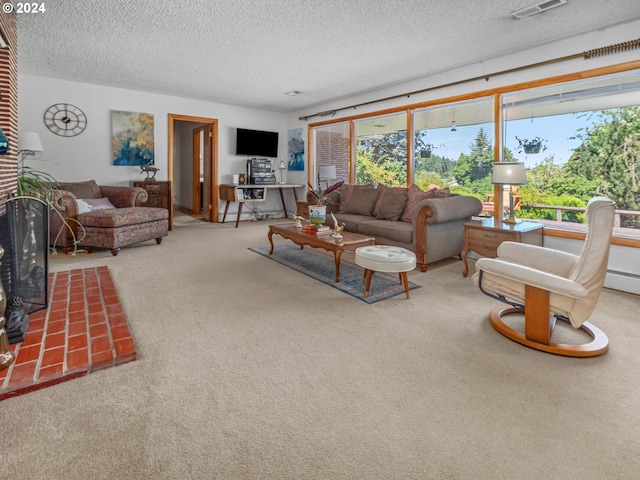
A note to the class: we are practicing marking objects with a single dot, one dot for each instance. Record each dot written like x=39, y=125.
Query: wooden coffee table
x=348, y=242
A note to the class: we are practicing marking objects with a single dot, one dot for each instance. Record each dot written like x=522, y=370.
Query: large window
x=588, y=130
x=577, y=140
x=331, y=153
x=381, y=150
x=453, y=146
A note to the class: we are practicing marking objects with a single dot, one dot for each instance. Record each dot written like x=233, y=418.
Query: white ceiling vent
x=538, y=8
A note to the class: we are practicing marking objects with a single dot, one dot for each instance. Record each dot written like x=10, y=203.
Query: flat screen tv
x=256, y=143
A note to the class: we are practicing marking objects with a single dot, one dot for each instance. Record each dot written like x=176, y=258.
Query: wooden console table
x=485, y=236
x=238, y=193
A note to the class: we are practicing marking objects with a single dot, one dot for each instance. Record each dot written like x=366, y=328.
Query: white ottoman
x=385, y=258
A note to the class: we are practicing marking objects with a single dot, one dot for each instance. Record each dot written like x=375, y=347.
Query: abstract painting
x=296, y=150
x=132, y=140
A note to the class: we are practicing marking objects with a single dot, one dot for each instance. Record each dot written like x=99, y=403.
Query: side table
x=302, y=208
x=485, y=236
x=159, y=195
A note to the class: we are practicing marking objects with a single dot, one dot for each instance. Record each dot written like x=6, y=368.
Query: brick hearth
x=83, y=330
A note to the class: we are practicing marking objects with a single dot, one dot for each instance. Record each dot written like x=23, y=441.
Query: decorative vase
x=317, y=214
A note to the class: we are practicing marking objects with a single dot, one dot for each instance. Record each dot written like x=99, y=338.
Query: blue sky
x=556, y=129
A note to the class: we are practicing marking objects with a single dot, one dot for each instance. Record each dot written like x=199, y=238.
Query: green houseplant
x=33, y=183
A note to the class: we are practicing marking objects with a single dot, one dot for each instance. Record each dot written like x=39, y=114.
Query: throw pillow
x=88, y=189
x=414, y=196
x=392, y=205
x=383, y=190
x=362, y=201
x=100, y=204
x=435, y=192
x=346, y=191
x=82, y=206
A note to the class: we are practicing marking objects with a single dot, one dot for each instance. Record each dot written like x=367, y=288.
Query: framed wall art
x=295, y=144
x=132, y=139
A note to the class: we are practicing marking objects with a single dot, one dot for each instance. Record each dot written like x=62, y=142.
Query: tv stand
x=240, y=193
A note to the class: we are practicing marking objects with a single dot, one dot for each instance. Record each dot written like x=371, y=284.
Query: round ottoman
x=385, y=258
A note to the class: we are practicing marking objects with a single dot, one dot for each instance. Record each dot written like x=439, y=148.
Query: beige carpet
x=249, y=370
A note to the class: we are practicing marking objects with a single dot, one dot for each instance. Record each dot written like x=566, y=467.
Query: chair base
x=598, y=345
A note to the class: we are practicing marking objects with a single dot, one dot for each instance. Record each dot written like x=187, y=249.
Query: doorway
x=193, y=165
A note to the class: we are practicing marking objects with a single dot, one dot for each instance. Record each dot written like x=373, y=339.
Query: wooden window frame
x=495, y=92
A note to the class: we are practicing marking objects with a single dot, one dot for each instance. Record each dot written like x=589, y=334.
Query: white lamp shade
x=29, y=141
x=328, y=172
x=508, y=173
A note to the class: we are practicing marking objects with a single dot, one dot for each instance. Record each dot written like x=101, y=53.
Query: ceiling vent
x=538, y=8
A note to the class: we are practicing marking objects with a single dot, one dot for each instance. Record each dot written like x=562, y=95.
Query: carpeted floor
x=240, y=375
x=320, y=266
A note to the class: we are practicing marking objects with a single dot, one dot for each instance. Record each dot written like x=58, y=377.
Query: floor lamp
x=509, y=173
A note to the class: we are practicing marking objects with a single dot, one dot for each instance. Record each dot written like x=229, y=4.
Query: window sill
x=627, y=237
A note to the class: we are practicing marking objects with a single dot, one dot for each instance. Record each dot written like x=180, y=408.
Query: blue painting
x=132, y=140
x=296, y=150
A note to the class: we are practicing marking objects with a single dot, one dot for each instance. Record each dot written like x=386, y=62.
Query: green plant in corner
x=33, y=183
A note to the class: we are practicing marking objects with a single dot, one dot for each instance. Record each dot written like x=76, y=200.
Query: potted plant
x=33, y=183
x=531, y=145
x=425, y=151
x=318, y=210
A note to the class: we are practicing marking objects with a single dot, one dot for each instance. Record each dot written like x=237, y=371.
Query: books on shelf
x=317, y=229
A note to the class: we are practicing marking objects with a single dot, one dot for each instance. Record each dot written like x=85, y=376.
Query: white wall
x=89, y=155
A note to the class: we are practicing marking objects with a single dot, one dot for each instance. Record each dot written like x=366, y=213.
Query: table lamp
x=28, y=144
x=282, y=168
x=509, y=173
x=327, y=173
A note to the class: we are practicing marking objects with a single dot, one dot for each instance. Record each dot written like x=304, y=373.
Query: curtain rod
x=596, y=52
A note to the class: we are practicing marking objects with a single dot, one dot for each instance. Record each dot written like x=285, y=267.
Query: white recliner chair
x=547, y=284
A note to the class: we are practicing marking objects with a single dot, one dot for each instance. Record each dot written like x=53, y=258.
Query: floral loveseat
x=429, y=223
x=92, y=215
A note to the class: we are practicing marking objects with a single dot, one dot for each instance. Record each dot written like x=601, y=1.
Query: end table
x=484, y=236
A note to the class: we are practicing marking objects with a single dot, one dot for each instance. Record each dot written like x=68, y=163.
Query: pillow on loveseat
x=99, y=204
x=82, y=206
x=416, y=195
x=88, y=189
x=346, y=190
x=392, y=205
x=383, y=189
x=362, y=201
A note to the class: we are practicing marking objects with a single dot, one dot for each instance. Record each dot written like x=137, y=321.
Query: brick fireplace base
x=83, y=330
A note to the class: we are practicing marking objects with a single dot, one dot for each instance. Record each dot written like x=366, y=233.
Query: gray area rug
x=320, y=266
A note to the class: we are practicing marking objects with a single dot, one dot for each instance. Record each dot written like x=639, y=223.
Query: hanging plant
x=531, y=145
x=426, y=150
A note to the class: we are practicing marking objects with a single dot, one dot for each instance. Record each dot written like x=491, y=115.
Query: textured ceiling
x=250, y=52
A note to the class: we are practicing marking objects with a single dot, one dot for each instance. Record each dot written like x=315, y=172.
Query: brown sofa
x=115, y=220
x=430, y=227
